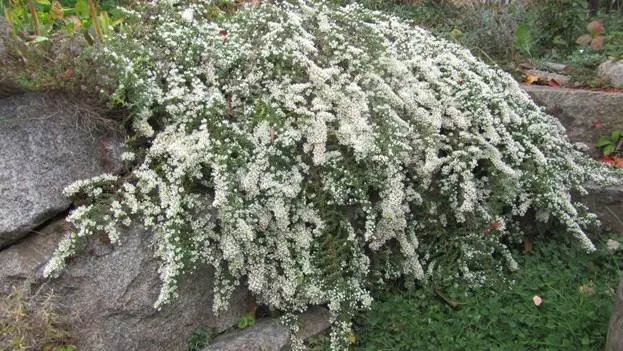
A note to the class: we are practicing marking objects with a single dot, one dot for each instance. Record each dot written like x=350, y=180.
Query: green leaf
x=609, y=149
x=38, y=39
x=603, y=141
x=43, y=2
x=248, y=320
x=82, y=8
x=616, y=136
x=523, y=39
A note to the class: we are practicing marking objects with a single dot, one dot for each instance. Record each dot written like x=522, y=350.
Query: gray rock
x=608, y=204
x=5, y=32
x=613, y=70
x=23, y=262
x=46, y=143
x=270, y=334
x=580, y=111
x=615, y=330
x=108, y=293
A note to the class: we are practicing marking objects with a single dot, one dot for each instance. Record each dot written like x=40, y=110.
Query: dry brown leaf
x=587, y=289
x=527, y=246
x=530, y=78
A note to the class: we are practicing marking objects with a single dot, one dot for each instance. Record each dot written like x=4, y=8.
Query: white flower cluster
x=309, y=151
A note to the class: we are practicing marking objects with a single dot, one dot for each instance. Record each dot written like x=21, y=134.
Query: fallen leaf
x=537, y=300
x=530, y=78
x=598, y=42
x=527, y=246
x=587, y=290
x=595, y=28
x=553, y=83
x=597, y=124
x=618, y=162
x=612, y=245
x=584, y=39
x=607, y=159
x=526, y=65
x=67, y=74
x=352, y=338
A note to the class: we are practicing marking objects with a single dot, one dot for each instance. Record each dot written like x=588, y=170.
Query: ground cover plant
x=576, y=293
x=312, y=152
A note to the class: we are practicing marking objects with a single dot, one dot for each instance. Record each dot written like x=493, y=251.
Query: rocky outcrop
x=46, y=143
x=585, y=114
x=271, y=335
x=608, y=204
x=613, y=71
x=108, y=293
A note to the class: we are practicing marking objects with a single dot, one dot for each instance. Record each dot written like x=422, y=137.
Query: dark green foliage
x=199, y=339
x=556, y=25
x=577, y=292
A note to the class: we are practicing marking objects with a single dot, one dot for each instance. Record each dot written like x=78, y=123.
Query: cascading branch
x=310, y=152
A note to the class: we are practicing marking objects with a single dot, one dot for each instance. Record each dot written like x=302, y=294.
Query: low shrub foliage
x=311, y=152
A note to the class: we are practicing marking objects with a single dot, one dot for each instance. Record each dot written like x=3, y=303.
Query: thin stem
x=96, y=22
x=35, y=18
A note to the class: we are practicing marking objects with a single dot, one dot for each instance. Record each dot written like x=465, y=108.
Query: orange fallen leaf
x=618, y=162
x=530, y=78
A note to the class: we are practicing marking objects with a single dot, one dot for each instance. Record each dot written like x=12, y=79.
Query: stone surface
x=46, y=143
x=608, y=204
x=108, y=293
x=615, y=330
x=270, y=335
x=586, y=115
x=613, y=70
x=5, y=32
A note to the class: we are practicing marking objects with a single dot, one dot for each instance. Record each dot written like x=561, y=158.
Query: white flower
x=187, y=15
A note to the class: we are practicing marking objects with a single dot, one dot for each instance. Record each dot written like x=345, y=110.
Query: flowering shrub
x=310, y=152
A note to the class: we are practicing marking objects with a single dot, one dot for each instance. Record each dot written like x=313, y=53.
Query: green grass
x=577, y=291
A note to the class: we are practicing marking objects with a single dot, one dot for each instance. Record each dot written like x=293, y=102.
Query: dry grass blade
x=30, y=321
